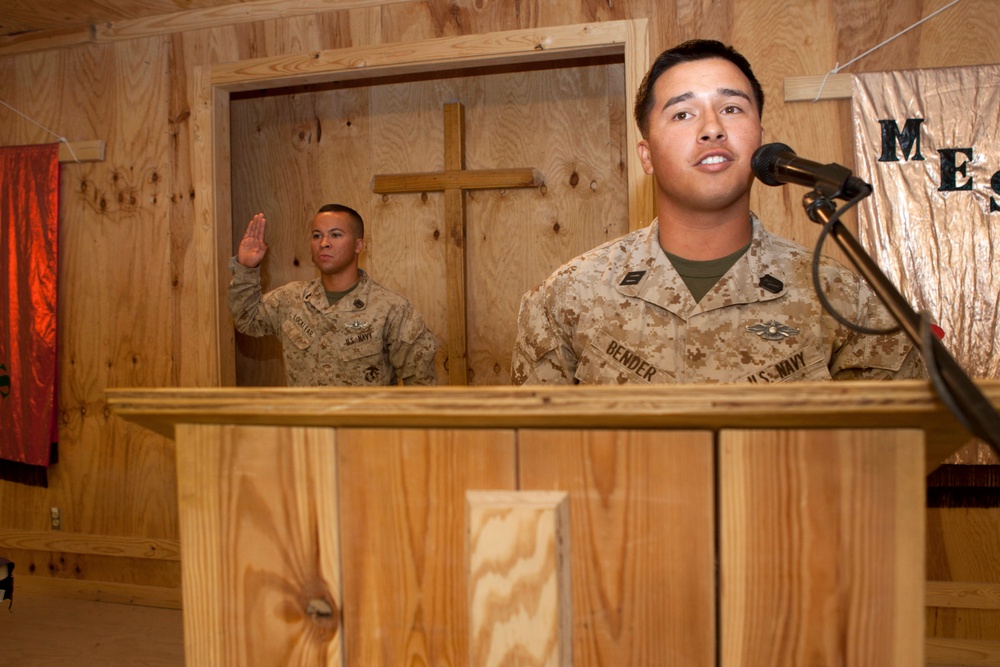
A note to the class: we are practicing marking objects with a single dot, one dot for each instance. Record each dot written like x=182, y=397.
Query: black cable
x=934, y=374
x=835, y=219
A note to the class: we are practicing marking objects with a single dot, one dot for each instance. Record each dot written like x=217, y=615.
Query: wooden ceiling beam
x=181, y=21
x=42, y=40
x=211, y=17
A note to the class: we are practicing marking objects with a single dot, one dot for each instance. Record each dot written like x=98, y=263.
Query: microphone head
x=762, y=164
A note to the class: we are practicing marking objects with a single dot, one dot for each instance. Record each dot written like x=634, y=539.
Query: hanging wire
x=817, y=283
x=837, y=66
x=61, y=139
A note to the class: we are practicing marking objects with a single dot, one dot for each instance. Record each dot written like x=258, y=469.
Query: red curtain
x=29, y=240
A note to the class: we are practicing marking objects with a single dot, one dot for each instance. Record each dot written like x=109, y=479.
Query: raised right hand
x=252, y=248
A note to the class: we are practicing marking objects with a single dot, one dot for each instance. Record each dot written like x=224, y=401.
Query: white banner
x=929, y=143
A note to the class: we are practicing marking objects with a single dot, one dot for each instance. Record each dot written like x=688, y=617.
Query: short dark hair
x=359, y=223
x=696, y=49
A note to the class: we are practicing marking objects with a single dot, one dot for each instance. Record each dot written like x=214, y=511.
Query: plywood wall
x=127, y=223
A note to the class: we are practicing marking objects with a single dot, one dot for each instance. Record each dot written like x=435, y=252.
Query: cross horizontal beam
x=439, y=181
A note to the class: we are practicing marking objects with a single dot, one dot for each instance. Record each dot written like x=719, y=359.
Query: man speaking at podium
x=704, y=293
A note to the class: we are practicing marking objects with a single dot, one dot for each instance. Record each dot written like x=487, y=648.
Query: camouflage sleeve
x=543, y=353
x=412, y=348
x=881, y=357
x=251, y=314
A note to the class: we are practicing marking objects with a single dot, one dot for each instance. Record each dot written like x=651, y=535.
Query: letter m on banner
x=932, y=224
x=907, y=139
x=29, y=240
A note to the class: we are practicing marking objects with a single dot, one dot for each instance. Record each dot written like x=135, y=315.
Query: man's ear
x=359, y=246
x=642, y=148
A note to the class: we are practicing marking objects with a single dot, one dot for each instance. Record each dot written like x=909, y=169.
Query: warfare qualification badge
x=357, y=327
x=772, y=330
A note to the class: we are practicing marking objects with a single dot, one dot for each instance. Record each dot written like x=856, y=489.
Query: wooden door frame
x=213, y=345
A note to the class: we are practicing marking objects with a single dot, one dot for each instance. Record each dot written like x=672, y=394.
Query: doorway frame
x=212, y=343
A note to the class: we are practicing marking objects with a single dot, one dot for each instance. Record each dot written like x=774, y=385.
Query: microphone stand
x=972, y=409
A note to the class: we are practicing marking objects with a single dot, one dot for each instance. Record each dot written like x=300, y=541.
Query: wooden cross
x=454, y=181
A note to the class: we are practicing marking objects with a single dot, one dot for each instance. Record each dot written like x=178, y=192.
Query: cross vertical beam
x=454, y=217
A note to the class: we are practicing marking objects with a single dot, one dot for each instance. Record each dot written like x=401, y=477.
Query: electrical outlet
x=56, y=518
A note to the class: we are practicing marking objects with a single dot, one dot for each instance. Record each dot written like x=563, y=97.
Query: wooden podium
x=694, y=525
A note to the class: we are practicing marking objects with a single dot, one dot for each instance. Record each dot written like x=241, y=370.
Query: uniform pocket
x=354, y=350
x=294, y=332
x=806, y=364
x=610, y=361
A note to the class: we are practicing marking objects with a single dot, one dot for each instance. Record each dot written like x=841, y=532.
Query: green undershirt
x=702, y=276
x=334, y=297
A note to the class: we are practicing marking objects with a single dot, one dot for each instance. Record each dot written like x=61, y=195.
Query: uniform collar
x=647, y=274
x=315, y=295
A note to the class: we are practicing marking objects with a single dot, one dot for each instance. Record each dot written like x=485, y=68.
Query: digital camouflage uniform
x=621, y=313
x=370, y=337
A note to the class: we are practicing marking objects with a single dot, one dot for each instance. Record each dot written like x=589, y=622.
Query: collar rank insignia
x=358, y=327
x=772, y=330
x=632, y=278
x=771, y=284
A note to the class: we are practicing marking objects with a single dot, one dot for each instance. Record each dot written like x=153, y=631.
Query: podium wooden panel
x=708, y=524
x=821, y=547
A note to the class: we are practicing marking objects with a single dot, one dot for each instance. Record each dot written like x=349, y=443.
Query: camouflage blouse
x=371, y=337
x=621, y=313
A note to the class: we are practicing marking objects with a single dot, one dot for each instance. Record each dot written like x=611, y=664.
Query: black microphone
x=777, y=164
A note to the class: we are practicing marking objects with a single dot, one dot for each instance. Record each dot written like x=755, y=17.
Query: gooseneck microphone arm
x=775, y=164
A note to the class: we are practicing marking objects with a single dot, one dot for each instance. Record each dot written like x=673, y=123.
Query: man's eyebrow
x=733, y=92
x=721, y=92
x=677, y=99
